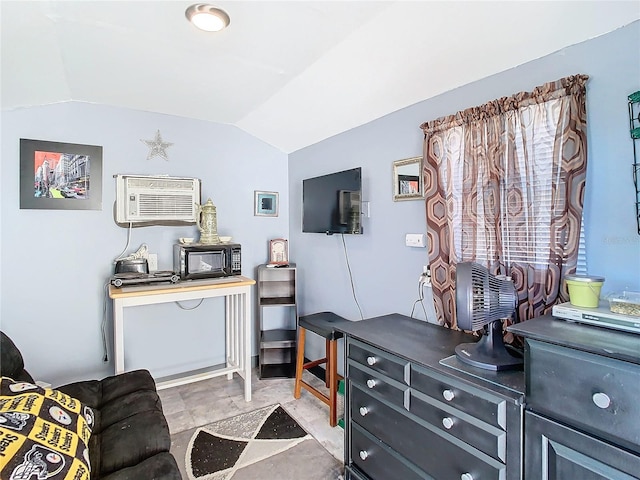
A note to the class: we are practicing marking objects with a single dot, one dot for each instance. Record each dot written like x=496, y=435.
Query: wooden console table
x=237, y=293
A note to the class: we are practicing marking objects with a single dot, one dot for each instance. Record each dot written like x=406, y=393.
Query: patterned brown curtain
x=504, y=187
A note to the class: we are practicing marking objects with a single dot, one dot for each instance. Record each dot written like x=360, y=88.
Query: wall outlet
x=152, y=260
x=425, y=277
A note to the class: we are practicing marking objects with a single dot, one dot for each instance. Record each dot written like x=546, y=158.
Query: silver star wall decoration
x=157, y=148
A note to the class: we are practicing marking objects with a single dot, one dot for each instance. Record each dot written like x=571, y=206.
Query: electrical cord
x=103, y=327
x=191, y=308
x=425, y=279
x=515, y=351
x=119, y=257
x=353, y=290
x=420, y=299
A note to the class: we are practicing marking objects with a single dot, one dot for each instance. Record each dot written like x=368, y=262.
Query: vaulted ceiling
x=291, y=73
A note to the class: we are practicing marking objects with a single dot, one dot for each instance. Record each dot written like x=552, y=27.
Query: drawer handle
x=371, y=383
x=372, y=360
x=448, y=396
x=466, y=476
x=364, y=411
x=363, y=454
x=447, y=422
x=601, y=400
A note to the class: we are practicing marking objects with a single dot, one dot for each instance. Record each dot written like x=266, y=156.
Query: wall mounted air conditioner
x=156, y=199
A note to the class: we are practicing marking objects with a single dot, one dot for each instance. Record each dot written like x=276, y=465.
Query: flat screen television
x=332, y=203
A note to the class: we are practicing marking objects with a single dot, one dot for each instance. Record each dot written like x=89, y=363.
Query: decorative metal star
x=157, y=148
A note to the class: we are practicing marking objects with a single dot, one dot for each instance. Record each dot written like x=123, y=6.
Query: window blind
x=582, y=269
x=529, y=195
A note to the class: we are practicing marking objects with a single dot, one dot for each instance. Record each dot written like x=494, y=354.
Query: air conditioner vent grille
x=165, y=206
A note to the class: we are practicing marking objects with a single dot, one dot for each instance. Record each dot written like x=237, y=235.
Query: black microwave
x=206, y=261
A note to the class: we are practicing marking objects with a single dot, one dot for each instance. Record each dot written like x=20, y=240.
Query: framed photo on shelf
x=278, y=251
x=266, y=204
x=60, y=176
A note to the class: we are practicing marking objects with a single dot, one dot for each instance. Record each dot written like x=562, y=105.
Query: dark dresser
x=582, y=418
x=413, y=411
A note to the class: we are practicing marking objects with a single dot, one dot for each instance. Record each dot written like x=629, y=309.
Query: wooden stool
x=322, y=324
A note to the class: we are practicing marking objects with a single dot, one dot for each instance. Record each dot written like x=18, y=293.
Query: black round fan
x=482, y=302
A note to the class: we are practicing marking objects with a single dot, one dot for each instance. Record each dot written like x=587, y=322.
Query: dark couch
x=130, y=439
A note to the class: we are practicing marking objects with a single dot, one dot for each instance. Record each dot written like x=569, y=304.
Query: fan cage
x=488, y=298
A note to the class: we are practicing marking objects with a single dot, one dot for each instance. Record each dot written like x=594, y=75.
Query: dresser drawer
x=486, y=438
x=440, y=455
x=555, y=451
x=472, y=401
x=596, y=394
x=378, y=360
x=371, y=380
x=379, y=461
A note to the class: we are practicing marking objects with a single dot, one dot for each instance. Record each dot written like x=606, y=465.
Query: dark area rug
x=263, y=444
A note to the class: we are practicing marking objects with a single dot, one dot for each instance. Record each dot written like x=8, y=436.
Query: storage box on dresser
x=408, y=416
x=582, y=415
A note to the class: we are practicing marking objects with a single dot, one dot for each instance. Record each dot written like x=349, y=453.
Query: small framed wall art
x=407, y=179
x=60, y=176
x=278, y=251
x=266, y=204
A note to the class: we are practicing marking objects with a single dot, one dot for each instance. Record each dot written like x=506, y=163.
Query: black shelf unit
x=277, y=288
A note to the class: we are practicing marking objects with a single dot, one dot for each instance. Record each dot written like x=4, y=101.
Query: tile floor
x=200, y=403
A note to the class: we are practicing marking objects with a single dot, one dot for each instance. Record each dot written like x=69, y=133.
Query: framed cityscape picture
x=60, y=176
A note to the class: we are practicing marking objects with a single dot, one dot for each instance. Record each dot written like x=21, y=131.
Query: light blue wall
x=386, y=272
x=55, y=263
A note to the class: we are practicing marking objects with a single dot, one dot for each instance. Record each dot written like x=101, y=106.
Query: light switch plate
x=366, y=210
x=414, y=240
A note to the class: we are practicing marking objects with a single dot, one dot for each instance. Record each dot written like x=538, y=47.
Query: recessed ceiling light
x=207, y=17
